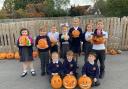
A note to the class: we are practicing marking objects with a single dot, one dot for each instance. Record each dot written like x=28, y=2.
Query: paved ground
x=116, y=74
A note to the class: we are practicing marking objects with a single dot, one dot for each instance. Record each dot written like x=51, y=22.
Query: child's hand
x=71, y=72
x=95, y=79
x=84, y=75
x=53, y=73
x=56, y=73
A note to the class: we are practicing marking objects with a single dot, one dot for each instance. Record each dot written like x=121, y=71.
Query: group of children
x=68, y=45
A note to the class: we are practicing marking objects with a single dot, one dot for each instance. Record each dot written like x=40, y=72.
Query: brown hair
x=54, y=53
x=92, y=53
x=42, y=29
x=87, y=26
x=24, y=29
x=70, y=53
x=100, y=21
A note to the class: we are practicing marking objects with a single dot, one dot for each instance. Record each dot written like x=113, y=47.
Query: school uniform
x=55, y=35
x=43, y=53
x=55, y=67
x=99, y=49
x=64, y=46
x=92, y=71
x=70, y=66
x=25, y=52
x=75, y=44
x=87, y=46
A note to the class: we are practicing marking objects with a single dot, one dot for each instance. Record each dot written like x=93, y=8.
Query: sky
x=72, y=2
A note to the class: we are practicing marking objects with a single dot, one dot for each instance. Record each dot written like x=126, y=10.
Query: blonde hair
x=70, y=53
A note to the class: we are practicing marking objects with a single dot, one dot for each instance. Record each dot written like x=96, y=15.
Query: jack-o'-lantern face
x=75, y=33
x=2, y=55
x=42, y=43
x=69, y=82
x=10, y=55
x=56, y=82
x=98, y=39
x=113, y=52
x=84, y=82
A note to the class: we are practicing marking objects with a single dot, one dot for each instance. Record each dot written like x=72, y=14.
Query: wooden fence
x=116, y=27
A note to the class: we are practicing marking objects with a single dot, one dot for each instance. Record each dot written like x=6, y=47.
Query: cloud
x=1, y=3
x=81, y=2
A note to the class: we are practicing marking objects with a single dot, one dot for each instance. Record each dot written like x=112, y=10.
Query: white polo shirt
x=100, y=46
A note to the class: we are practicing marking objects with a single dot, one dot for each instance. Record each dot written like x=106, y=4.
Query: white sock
x=32, y=70
x=25, y=71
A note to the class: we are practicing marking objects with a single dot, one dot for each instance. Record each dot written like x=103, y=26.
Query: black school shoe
x=101, y=76
x=33, y=73
x=42, y=74
x=23, y=74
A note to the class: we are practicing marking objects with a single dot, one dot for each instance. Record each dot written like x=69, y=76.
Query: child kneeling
x=55, y=67
x=91, y=69
x=69, y=64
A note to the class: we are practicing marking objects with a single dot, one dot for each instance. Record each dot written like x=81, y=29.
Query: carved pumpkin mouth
x=84, y=86
x=70, y=85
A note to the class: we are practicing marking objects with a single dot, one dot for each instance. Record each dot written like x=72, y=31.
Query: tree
x=113, y=7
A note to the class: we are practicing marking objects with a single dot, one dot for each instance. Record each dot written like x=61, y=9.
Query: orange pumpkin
x=17, y=56
x=75, y=33
x=2, y=55
x=42, y=43
x=98, y=40
x=35, y=54
x=56, y=82
x=113, y=52
x=69, y=82
x=84, y=82
x=10, y=55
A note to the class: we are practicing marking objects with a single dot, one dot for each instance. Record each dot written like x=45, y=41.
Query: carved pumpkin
x=17, y=56
x=56, y=82
x=84, y=82
x=35, y=54
x=75, y=33
x=113, y=52
x=98, y=40
x=42, y=43
x=2, y=55
x=69, y=82
x=10, y=55
x=24, y=40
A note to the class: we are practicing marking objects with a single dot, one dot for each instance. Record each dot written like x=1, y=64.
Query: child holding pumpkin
x=99, y=39
x=55, y=67
x=25, y=45
x=64, y=41
x=43, y=44
x=54, y=37
x=91, y=69
x=75, y=34
x=69, y=64
x=86, y=38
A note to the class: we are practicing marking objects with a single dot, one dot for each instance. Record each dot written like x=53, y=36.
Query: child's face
x=53, y=29
x=89, y=28
x=55, y=57
x=91, y=57
x=42, y=33
x=76, y=22
x=100, y=25
x=64, y=29
x=24, y=32
x=69, y=57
